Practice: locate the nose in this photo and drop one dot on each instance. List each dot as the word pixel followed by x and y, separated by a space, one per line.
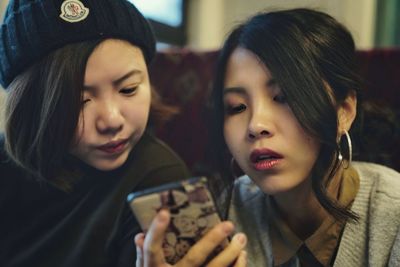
pixel 110 119
pixel 259 126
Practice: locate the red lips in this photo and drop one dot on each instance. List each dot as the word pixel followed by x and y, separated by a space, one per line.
pixel 262 154
pixel 264 159
pixel 113 146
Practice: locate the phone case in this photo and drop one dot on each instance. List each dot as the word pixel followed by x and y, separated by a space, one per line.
pixel 192 210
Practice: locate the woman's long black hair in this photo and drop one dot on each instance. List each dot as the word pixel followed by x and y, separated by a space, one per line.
pixel 305 50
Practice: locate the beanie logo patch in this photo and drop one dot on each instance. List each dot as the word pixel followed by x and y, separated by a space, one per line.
pixel 73 11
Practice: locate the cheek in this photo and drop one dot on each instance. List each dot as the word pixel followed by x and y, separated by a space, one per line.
pixel 137 110
pixel 297 140
pixel 314 148
pixel 310 147
pixel 138 116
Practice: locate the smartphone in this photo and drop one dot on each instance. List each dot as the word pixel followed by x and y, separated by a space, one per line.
pixel 192 210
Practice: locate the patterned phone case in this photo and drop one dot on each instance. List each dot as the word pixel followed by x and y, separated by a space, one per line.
pixel 192 210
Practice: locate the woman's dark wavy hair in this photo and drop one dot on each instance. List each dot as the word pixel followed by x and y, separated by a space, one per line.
pixel 304 50
pixel 43 107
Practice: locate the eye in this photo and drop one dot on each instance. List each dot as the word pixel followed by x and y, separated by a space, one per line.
pixel 129 91
pixel 85 101
pixel 280 98
pixel 231 110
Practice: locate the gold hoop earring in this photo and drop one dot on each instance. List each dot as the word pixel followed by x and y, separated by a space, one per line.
pixel 349 150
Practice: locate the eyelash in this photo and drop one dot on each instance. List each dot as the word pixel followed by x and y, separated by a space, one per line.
pixel 129 91
pixel 85 101
pixel 281 98
pixel 236 109
pixel 231 110
pixel 125 91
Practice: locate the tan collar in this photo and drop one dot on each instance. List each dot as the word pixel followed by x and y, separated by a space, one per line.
pixel 323 242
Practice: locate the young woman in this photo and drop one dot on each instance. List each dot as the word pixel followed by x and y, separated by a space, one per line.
pixel 76 142
pixel 287 102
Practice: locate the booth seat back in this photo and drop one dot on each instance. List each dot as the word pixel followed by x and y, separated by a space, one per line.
pixel 184 79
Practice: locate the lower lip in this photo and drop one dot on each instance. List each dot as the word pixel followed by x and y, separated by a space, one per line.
pixel 266 164
pixel 115 149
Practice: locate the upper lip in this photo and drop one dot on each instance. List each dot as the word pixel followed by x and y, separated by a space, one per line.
pixel 112 144
pixel 264 152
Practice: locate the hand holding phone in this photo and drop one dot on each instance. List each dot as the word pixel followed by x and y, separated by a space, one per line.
pixel 150 251
pixel 191 215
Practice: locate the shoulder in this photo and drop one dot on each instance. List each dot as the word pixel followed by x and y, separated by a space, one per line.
pixel 378 204
pixel 379 190
pixel 8 168
pixel 11 176
pixel 395 253
pixel 250 213
pixel 384 179
pixel 156 162
pixel 379 194
pixel 153 149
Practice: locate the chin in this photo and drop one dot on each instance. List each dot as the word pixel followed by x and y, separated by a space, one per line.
pixel 107 167
pixel 282 188
pixel 271 191
pixel 274 191
pixel 109 164
pixel 272 186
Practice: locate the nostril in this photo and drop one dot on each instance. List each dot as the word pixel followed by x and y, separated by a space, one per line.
pixel 251 136
pixel 110 129
pixel 254 135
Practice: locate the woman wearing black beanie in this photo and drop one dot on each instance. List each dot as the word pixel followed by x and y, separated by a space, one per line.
pixel 76 143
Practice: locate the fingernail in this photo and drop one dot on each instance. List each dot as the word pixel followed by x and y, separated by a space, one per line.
pixel 139 237
pixel 162 216
pixel 241 238
pixel 228 227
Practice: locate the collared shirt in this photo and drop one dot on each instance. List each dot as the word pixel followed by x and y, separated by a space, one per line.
pixel 320 247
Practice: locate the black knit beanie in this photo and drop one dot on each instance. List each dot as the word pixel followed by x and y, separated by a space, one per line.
pixel 33 28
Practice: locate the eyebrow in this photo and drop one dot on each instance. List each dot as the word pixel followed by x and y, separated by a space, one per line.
pixel 119 80
pixel 126 76
pixel 237 90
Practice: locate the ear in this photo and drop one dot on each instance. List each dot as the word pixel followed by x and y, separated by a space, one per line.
pixel 347 112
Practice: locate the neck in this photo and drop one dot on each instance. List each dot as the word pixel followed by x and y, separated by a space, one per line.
pixel 301 210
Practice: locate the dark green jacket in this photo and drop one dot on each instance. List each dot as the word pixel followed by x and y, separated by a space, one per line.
pixel 90 225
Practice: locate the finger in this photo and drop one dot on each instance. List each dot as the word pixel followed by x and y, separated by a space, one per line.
pixel 242 260
pixel 152 248
pixel 139 240
pixel 206 245
pixel 231 252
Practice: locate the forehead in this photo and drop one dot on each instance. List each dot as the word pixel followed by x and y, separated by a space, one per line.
pixel 112 59
pixel 243 66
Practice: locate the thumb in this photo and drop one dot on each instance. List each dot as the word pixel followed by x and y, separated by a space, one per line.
pixel 153 250
pixel 139 241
